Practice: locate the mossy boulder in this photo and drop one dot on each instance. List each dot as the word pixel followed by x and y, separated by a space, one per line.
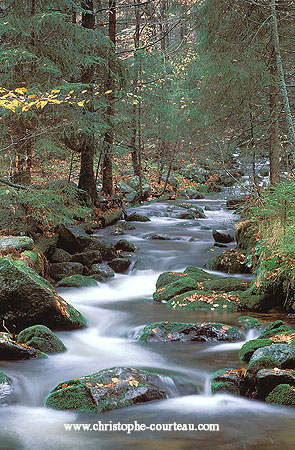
pixel 251 346
pixel 178 331
pixel 184 284
pixel 229 381
pixel 253 302
pixel 106 390
pixel 245 236
pixel 60 256
pixel 120 265
pixel 87 258
pixel 28 299
pixel 19 243
pixel 102 272
pixel 231 261
pixel 202 300
pixel 283 394
pixel 227 284
pixel 125 245
pixel 41 338
pixel 6 390
pixel 222 237
pixel 199 275
pixel 268 379
pixel 248 322
pixel 58 271
pixel 169 277
pixel 134 217
pixel 275 328
pixel 77 281
pixel 11 350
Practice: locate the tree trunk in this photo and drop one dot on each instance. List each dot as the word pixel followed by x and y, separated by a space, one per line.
pixel 283 88
pixel 134 151
pixel 107 170
pixel 274 102
pixel 86 176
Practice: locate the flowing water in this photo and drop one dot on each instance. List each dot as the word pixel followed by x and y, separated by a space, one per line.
pixel 116 312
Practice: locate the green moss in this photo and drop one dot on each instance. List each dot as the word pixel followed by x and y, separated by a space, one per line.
pixel 175 288
pixel 77 281
pixel 4 378
pixel 73 397
pixel 283 394
pixel 231 261
pixel 227 284
pixel 202 300
pixel 41 338
pixel 277 327
pixel 265 362
pixel 227 381
pixel 248 322
pixel 199 275
pixel 167 278
pixel 250 347
pixel 252 302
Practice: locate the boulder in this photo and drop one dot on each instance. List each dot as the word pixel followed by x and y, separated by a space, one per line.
pixel 133 197
pixel 6 390
pixel 222 237
pixel 102 272
pixel 251 346
pixel 248 322
pixel 186 215
pixel 58 271
pixel 231 261
pixel 28 299
pixel 125 188
pixel 283 394
pixel 11 350
pixel 60 256
pixel 225 284
pixel 171 180
pixel 177 287
pixel 106 390
pixel 72 238
pixel 19 243
pixel 275 328
pixel 158 237
pixel 169 277
pixel 199 275
pixel 120 265
pixel 193 194
pixel 195 332
pixel 268 379
pixel 125 245
pixel 77 281
pixel 198 300
pixel 87 258
pixel 229 381
pixel 41 338
pixel 110 218
pixel 134 217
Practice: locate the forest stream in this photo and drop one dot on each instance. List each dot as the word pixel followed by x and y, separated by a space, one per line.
pixel 116 312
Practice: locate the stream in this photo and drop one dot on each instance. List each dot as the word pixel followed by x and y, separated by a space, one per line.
pixel 116 312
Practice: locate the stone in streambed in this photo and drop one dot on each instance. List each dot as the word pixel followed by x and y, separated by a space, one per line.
pixel 87 258
pixel 248 322
pixel 229 381
pixel 19 243
pixel 268 379
pixel 60 256
pixel 120 265
pixel 177 287
pixel 106 390
pixel 41 338
pixel 125 245
pixel 283 394
pixel 77 281
pixel 231 261
pixel 222 237
pixel 199 274
pixel 58 271
pixel 102 272
pixel 28 299
pixel 251 346
pixel 202 300
pixel 11 350
pixel 275 328
pixel 134 217
pixel 6 389
pixel 177 331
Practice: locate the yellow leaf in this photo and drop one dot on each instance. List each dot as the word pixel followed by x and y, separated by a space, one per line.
pixel 108 92
pixel 96 93
pixel 43 103
pixel 33 96
pixel 21 90
pixel 55 91
pixel 71 92
pixel 116 380
pixel 81 103
pixel 133 383
pixel 83 92
pixel 10 107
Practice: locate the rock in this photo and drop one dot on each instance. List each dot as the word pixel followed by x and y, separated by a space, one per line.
pixel 77 281
pixel 177 331
pixel 134 217
pixel 169 277
pixel 47 245
pixel 217 244
pixel 281 356
pixel 222 237
pixel 268 379
pixel 107 249
pixel 87 258
pixel 58 271
pixel 120 265
pixel 231 261
pixel 248 322
pixel 28 299
pixel 133 197
pixel 20 243
pixel 177 287
pixel 275 328
pixel 127 226
pixel 125 245
pixel 158 237
pixel 134 182
pixel 202 300
pixel 171 180
pixel 102 272
pixel 186 215
pixel 60 256
pixel 6 390
pixel 199 275
pixel 230 381
pixel 125 188
pixel 72 238
pixel 193 194
pixel 251 346
pixel 11 350
pixel 110 218
pixel 234 203
pixel 106 390
pixel 284 394
pixel 226 284
pixel 41 338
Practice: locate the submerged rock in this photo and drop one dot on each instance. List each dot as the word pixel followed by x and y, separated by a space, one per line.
pixel 28 299
pixel 106 390
pixel 41 338
pixel 177 331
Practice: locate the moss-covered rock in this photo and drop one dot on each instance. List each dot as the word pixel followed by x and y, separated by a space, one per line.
pixel 202 300
pixel 199 275
pixel 106 390
pixel 268 379
pixel 231 261
pixel 251 346
pixel 102 272
pixel 125 245
pixel 87 258
pixel 41 338
pixel 19 243
pixel 184 284
pixel 134 217
pixel 28 299
pixel 230 381
pixel 275 328
pixel 59 256
pixel 6 389
pixel 11 350
pixel 284 394
pixel 169 277
pixel 177 331
pixel 252 302
pixel 77 281
pixel 248 322
pixel 227 284
pixel 120 265
pixel 58 271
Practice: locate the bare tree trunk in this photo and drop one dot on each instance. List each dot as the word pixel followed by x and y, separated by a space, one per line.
pixel 107 170
pixel 274 100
